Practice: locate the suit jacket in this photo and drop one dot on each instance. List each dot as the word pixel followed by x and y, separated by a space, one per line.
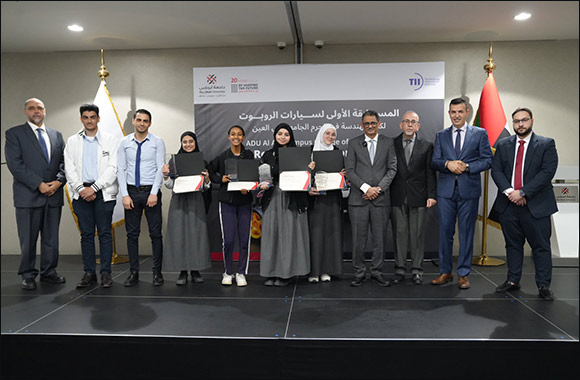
pixel 475 151
pixel 29 167
pixel 416 180
pixel 359 169
pixel 540 164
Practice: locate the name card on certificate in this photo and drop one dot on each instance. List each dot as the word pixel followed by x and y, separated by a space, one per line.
pixel 188 183
pixel 295 180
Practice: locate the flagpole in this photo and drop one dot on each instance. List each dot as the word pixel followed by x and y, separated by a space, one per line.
pixel 483 259
pixel 103 73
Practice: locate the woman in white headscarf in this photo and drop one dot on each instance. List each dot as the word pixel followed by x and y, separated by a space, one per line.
pixel 325 220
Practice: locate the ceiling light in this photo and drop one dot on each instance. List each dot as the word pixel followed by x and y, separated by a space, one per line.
pixel 75 28
pixel 522 16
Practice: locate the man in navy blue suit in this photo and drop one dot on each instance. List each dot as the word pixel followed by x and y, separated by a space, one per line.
pixel 523 168
pixel 35 157
pixel 460 153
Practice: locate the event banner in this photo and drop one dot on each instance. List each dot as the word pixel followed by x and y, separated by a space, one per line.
pixel 306 96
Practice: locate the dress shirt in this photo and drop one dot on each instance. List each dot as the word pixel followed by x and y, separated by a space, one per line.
pixel 462 133
pixel 152 160
pixel 365 186
pixel 527 140
pixel 90 158
pixel 44 135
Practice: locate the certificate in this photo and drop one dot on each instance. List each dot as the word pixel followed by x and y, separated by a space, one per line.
pixel 295 180
pixel 329 181
pixel 239 185
pixel 188 183
pixel 246 174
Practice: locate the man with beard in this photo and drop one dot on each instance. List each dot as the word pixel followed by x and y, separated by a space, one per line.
pixel 523 168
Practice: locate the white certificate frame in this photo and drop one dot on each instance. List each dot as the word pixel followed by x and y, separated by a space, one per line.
pixel 295 180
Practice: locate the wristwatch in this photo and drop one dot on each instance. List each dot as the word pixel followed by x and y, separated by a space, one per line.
pixel 467 168
pixel 522 194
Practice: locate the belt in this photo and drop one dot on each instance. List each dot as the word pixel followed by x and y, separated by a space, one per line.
pixel 140 188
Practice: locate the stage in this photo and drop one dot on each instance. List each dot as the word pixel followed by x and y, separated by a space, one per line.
pixel 303 330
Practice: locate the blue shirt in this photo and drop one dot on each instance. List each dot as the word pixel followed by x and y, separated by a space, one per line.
pixel 152 160
pixel 90 159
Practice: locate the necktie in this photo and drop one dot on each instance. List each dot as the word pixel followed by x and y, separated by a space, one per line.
pixel 42 144
pixel 519 162
pixel 138 164
pixel 407 150
pixel 372 151
pixel 458 142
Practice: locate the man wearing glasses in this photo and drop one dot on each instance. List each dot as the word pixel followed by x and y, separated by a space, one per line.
pixel 460 153
pixel 413 191
pixel 523 167
pixel 35 157
pixel 371 165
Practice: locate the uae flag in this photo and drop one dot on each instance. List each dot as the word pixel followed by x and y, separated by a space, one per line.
pixel 490 116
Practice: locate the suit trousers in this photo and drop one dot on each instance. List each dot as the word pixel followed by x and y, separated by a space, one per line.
pixel 518 224
pixel 360 219
pixel 32 221
pixel 408 227
pixel 235 218
pixel 133 227
pixel 464 211
pixel 99 214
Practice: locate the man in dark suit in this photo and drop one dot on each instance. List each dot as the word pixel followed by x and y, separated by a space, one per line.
pixel 461 152
pixel 371 165
pixel 35 157
pixel 413 191
pixel 523 168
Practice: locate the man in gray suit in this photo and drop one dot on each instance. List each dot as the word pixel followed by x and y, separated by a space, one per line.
pixel 371 165
pixel 35 157
pixel 413 191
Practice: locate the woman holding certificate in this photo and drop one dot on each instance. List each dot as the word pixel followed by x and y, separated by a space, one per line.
pixel 186 239
pixel 235 207
pixel 285 246
pixel 325 217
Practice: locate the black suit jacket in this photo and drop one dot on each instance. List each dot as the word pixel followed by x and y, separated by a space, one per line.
pixel 540 164
pixel 27 163
pixel 417 180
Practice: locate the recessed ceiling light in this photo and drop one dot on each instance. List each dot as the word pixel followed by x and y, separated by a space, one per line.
pixel 75 28
pixel 522 16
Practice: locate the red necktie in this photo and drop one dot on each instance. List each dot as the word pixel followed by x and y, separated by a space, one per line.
pixel 519 162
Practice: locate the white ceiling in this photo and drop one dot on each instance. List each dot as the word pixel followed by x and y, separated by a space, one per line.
pixel 34 26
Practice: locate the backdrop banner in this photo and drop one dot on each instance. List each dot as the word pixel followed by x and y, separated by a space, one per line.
pixel 258 98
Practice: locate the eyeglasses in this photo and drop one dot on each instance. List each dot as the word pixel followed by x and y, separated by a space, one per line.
pixel 524 120
pixel 412 122
pixel 372 123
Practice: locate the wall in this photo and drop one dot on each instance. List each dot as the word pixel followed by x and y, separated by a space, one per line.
pixel 541 75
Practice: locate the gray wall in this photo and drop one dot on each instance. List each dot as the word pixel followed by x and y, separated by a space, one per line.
pixel 541 75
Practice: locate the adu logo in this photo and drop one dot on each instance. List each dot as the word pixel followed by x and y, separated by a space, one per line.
pixel 417 81
pixel 211 79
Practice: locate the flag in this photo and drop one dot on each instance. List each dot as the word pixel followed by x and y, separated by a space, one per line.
pixel 490 116
pixel 111 124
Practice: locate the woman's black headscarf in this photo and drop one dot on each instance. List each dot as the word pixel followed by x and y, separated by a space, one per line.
pixel 188 133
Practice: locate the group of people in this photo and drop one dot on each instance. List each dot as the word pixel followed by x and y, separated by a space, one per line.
pixel 302 232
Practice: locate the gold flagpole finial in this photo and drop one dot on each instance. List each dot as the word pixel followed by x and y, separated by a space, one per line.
pixel 103 73
pixel 490 66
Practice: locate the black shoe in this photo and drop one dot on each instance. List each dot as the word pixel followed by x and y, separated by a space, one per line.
pixel 281 282
pixel 106 280
pixel 28 284
pixel 196 277
pixel 132 280
pixel 417 278
pixel 507 286
pixel 158 278
pixel 546 293
pixel 398 278
pixel 380 280
pixel 358 281
pixel 89 279
pixel 53 279
pixel 270 281
pixel 182 279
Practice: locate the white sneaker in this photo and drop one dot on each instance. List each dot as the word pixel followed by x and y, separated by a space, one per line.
pixel 312 279
pixel 325 278
pixel 240 280
pixel 227 279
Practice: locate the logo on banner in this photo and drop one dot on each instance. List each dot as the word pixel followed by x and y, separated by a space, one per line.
pixel 211 79
pixel 240 85
pixel 417 81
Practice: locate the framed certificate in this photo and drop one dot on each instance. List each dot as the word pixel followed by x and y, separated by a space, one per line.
pixel 295 180
pixel 188 167
pixel 188 183
pixel 327 174
pixel 246 174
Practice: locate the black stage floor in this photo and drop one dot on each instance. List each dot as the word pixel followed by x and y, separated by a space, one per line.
pixel 304 330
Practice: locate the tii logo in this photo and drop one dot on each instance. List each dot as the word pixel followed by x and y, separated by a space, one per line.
pixel 211 79
pixel 417 81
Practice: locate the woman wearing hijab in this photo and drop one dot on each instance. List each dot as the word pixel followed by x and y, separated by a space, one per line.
pixel 325 220
pixel 186 240
pixel 235 209
pixel 285 245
